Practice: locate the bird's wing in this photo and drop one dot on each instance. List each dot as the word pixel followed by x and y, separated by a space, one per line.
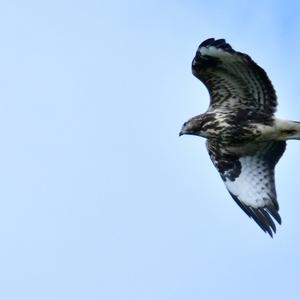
pixel 233 79
pixel 250 180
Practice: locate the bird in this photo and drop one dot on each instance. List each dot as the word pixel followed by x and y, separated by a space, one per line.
pixel 244 139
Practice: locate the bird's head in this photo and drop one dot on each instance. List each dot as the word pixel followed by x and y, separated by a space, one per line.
pixel 193 127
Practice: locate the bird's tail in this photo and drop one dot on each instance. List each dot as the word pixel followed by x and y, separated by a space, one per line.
pixel 288 130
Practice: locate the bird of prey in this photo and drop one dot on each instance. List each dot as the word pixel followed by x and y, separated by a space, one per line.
pixel 243 137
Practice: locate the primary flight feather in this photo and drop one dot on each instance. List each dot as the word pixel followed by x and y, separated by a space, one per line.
pixel 244 138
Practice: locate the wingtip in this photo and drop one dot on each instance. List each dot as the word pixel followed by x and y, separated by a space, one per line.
pixel 207 42
pixel 261 216
pixel 217 43
pixel 274 213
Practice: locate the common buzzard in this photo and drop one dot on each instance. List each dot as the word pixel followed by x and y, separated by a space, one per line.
pixel 244 138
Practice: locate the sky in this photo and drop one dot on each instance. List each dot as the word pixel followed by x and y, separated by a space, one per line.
pixel 100 198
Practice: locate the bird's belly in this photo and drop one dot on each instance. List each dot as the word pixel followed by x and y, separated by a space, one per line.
pixel 244 140
pixel 238 135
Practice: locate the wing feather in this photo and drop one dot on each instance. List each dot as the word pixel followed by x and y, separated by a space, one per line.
pixel 233 79
pixel 250 180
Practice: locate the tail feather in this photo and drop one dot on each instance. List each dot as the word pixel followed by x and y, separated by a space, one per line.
pixel 288 130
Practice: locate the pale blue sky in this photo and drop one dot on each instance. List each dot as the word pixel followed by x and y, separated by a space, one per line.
pixel 100 198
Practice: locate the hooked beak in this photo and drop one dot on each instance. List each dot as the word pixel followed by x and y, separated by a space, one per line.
pixel 181 133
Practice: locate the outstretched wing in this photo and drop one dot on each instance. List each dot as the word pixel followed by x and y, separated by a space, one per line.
pixel 233 79
pixel 250 180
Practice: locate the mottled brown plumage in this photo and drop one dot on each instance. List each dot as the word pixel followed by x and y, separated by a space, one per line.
pixel 244 139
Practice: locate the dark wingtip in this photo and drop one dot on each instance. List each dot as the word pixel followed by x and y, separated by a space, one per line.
pixel 261 216
pixel 207 42
pixel 218 43
pixel 274 213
